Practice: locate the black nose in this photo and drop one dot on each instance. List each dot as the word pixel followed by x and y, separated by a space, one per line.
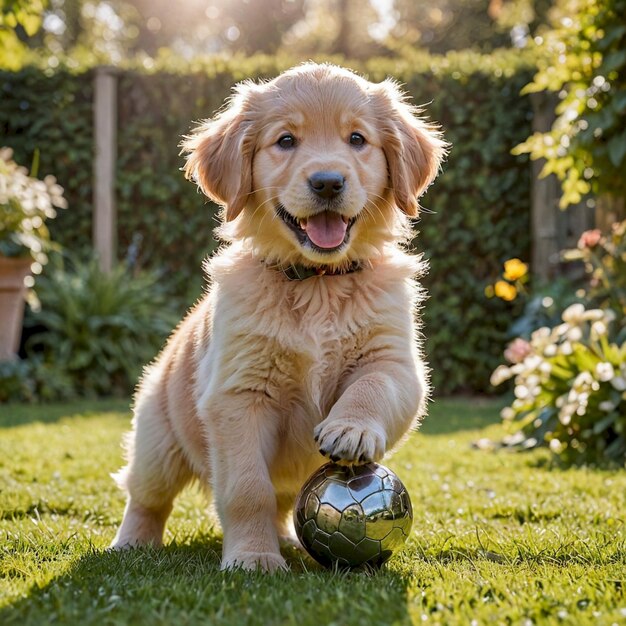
pixel 327 185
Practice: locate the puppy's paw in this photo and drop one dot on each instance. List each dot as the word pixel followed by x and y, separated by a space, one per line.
pixel 350 442
pixel 251 561
pixel 117 546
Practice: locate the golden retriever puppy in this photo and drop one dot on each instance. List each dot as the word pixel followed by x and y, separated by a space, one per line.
pixel 306 345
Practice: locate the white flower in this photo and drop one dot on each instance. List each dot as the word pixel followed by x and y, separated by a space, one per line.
pixel 556 446
pixel 532 362
pixel 599 329
pixel 573 314
pixel 550 350
pixel 593 315
pixel 518 368
pixel 565 414
pixel 507 413
pixel 575 333
pixel 559 331
pixel 566 348
pixel 545 368
pixel 521 391
pixel 604 371
pixel 539 338
pixel 584 379
pixel 500 374
pixel 533 381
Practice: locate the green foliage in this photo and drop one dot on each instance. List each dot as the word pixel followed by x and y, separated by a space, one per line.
pixel 33 380
pixel 18 17
pixel 585 63
pixel 98 329
pixel 478 209
pixel 14 381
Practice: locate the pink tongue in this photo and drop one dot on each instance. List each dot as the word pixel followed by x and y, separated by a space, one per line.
pixel 326 229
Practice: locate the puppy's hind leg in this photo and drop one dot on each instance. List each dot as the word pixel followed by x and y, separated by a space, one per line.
pixel 155 474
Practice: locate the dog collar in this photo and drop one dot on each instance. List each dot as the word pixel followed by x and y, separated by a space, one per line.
pixel 301 272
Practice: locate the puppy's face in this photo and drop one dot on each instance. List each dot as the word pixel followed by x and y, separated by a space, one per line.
pixel 317 166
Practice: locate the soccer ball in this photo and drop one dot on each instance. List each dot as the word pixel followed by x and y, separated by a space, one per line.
pixel 349 516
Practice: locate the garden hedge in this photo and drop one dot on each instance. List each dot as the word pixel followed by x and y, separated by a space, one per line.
pixel 478 210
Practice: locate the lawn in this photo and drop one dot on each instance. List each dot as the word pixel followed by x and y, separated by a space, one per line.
pixel 498 537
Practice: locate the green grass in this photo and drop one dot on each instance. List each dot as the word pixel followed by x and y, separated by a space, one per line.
pixel 498 538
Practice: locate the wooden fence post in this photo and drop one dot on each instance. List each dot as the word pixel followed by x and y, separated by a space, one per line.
pixel 552 229
pixel 544 199
pixel 105 143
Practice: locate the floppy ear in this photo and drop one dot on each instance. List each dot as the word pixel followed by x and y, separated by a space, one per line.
pixel 413 147
pixel 219 154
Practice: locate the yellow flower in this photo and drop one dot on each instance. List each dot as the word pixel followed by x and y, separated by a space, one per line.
pixel 505 291
pixel 514 269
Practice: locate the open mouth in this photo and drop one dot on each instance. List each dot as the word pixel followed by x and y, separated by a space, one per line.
pixel 326 231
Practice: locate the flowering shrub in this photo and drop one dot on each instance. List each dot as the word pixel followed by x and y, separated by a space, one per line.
pixel 25 204
pixel 570 387
pixel 604 257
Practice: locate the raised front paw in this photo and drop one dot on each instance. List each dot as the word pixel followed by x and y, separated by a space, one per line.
pixel 350 443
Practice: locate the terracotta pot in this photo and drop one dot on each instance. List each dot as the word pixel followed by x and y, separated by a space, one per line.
pixel 12 295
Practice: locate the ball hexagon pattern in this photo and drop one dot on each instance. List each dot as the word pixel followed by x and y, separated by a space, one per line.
pixel 349 516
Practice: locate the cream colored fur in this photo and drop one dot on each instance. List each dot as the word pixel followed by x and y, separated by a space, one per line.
pixel 266 372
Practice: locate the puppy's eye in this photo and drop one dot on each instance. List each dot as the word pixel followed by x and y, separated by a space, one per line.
pixel 286 142
pixel 356 139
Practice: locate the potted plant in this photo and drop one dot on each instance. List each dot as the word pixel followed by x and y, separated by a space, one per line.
pixel 25 204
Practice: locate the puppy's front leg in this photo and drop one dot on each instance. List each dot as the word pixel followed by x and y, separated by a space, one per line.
pixel 243 442
pixel 377 407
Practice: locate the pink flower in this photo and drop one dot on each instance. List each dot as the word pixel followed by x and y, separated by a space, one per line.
pixel 517 350
pixel 589 239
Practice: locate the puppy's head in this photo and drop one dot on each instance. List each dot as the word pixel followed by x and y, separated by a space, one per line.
pixel 318 166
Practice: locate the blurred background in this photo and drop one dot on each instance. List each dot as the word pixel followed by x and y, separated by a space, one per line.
pixel 525 220
pixel 114 30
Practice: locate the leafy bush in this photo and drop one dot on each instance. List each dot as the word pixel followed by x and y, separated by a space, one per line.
pixel 584 62
pixel 33 380
pixel 478 208
pixel 570 388
pixel 98 329
pixel 15 383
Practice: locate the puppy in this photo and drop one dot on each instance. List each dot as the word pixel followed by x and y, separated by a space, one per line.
pixel 305 347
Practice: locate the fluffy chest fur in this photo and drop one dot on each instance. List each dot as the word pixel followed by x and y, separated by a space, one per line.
pixel 297 342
